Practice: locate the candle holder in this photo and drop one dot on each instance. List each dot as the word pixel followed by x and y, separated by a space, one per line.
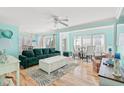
pixel 117 65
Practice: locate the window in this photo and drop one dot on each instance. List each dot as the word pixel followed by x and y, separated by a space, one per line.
pixel 49 42
pixel 82 41
pixel 77 42
pixel 121 39
pixel 99 42
pixel 86 41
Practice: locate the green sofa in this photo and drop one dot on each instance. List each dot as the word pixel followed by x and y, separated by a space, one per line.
pixel 29 58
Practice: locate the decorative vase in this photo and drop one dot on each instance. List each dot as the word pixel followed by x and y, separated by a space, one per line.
pixel 117 68
pixel 110 54
pixel 117 65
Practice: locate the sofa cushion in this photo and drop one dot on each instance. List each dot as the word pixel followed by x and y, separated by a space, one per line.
pixel 45 51
pixel 41 56
pixel 38 52
pixel 52 50
pixel 55 54
pixel 28 53
pixel 31 59
pixel 50 55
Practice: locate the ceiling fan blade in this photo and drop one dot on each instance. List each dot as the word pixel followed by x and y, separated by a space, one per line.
pixel 63 23
pixel 64 19
pixel 58 19
pixel 54 16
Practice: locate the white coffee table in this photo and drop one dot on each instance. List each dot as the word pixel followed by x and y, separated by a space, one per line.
pixel 52 63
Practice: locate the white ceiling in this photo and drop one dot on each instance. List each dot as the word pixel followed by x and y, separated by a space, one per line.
pixel 39 19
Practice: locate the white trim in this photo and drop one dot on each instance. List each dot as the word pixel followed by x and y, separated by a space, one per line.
pixel 105 39
pixel 96 28
pixel 119 39
pixel 119 12
pixel 120 25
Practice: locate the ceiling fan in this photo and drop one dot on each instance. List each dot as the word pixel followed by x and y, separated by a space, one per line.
pixel 60 20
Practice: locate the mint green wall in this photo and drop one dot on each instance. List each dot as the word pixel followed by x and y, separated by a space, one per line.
pixel 57 40
pixel 120 29
pixel 121 20
pixel 71 41
pixel 14 49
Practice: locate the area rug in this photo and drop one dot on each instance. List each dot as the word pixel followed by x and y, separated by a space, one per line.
pixel 43 79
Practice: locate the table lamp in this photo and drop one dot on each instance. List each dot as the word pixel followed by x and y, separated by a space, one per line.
pixel 110 52
pixel 117 65
pixel 110 49
pixel 110 57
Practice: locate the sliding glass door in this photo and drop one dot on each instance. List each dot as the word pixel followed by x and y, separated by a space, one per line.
pixel 86 41
pixel 77 42
pixel 121 43
pixel 96 40
pixel 99 42
pixel 82 41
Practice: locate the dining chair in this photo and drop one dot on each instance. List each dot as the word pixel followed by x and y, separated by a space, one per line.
pixel 75 53
pixel 82 52
pixel 89 52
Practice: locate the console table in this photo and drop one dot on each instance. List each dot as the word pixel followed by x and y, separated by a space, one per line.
pixel 106 77
pixel 12 65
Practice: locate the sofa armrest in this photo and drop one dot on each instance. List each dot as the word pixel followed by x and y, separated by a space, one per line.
pixel 22 57
pixel 23 60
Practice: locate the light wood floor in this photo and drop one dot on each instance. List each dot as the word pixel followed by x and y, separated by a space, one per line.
pixel 82 75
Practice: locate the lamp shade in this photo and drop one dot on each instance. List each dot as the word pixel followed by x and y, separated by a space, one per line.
pixel 110 49
pixel 117 56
